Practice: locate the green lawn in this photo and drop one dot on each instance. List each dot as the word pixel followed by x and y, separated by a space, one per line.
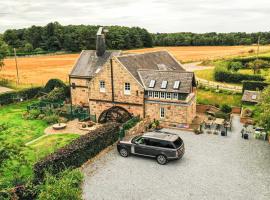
pixel 210 97
pixel 207 74
pixel 20 131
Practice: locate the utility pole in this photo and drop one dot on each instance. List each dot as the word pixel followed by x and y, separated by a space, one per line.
pixel 15 55
pixel 258 46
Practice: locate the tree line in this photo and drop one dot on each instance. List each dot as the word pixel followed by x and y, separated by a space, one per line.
pixel 74 38
pixel 56 37
pixel 210 39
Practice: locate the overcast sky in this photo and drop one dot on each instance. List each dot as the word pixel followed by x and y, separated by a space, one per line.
pixel 154 15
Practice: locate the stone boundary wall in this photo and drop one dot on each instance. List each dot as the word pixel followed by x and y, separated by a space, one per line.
pixel 236 110
pixel 139 128
pixel 203 108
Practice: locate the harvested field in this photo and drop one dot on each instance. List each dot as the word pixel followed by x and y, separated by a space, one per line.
pixel 37 70
pixel 201 53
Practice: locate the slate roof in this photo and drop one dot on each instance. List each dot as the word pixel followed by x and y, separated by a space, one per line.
pixel 187 80
pixel 251 96
pixel 89 62
pixel 159 60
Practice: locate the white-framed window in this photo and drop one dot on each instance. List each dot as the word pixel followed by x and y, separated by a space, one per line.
pixel 162 95
pixel 162 112
pixel 102 86
pixel 152 83
pixel 168 95
pixel 176 85
pixel 127 88
pixel 150 94
pixel 175 96
pixel 164 84
pixel 156 94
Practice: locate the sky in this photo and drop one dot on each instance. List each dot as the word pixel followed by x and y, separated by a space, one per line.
pixel 155 15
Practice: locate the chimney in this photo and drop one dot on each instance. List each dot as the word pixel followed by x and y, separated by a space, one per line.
pixel 100 43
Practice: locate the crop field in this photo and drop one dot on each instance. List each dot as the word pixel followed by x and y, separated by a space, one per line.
pixel 37 70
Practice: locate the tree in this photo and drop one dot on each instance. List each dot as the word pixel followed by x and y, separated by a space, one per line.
pixel 257 64
pixel 235 66
pixel 3 52
pixel 264 109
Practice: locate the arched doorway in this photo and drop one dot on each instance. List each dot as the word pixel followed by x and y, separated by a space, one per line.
pixel 114 114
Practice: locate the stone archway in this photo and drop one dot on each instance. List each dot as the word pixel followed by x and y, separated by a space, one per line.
pixel 114 114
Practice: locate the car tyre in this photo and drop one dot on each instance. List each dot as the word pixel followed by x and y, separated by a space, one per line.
pixel 123 152
pixel 161 159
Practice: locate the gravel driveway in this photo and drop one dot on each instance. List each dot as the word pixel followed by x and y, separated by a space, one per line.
pixel 213 167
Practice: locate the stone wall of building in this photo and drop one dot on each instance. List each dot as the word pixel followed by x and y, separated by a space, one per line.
pixel 79 94
pixel 174 113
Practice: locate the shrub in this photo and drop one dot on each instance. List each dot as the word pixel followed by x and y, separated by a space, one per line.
pixel 226 108
pixel 54 83
pixel 51 119
pixel 128 125
pixel 223 75
pixel 222 115
pixel 247 113
pixel 78 151
pixel 57 94
pixel 235 66
pixel 67 185
pixel 254 85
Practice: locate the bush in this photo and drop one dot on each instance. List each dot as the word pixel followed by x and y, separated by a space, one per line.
pixel 235 66
pixel 254 85
pixel 51 119
pixel 67 185
pixel 222 115
pixel 57 94
pixel 226 108
pixel 54 83
pixel 223 75
pixel 78 151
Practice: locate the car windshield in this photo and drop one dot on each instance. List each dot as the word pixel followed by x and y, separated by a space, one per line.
pixel 136 138
pixel 178 142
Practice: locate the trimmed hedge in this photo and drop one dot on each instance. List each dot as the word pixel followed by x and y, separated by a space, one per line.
pixel 254 85
pixel 14 96
pixel 78 151
pixel 54 83
pixel 246 60
pixel 224 75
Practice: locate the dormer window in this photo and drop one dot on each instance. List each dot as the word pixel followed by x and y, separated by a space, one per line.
pixel 164 84
pixel 102 86
pixel 152 83
pixel 127 89
pixel 176 85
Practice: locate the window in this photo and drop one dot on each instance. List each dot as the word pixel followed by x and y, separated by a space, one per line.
pixel 127 88
pixel 164 84
pixel 156 94
pixel 176 85
pixel 168 95
pixel 162 112
pixel 73 85
pixel 102 86
pixel 150 94
pixel 175 96
pixel 152 83
pixel 162 95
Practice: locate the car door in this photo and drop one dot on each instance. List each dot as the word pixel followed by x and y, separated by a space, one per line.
pixel 143 148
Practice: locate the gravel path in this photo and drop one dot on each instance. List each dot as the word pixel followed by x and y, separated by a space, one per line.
pixel 213 167
pixel 4 89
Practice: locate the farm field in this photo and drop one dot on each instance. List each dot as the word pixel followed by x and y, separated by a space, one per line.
pixel 37 70
pixel 17 132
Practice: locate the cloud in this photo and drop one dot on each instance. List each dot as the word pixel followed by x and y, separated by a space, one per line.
pixel 155 15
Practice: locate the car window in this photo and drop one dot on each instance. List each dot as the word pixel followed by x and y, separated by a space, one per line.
pixel 160 143
pixel 178 142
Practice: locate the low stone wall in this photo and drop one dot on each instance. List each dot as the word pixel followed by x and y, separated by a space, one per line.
pixel 203 108
pixel 139 128
pixel 236 110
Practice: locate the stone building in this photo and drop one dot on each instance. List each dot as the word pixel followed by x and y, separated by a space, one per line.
pixel 150 84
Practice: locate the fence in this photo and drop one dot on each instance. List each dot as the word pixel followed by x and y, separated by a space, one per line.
pixel 219 86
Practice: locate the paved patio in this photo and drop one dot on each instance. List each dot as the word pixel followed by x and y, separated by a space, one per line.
pixel 213 167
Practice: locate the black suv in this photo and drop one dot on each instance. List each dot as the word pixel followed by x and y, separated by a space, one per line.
pixel 160 145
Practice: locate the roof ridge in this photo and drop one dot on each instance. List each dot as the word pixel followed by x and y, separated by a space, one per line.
pixel 138 54
pixel 157 70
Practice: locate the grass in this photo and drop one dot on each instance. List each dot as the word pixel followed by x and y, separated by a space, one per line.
pixel 213 98
pixel 207 74
pixel 20 131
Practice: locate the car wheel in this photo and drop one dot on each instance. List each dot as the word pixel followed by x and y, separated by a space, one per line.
pixel 161 159
pixel 123 152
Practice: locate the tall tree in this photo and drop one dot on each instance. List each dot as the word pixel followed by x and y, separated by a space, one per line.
pixel 264 109
pixel 3 52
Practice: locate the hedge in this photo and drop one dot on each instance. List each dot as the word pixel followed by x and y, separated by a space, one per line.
pixel 78 151
pixel 224 75
pixel 128 125
pixel 254 85
pixel 15 96
pixel 245 60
